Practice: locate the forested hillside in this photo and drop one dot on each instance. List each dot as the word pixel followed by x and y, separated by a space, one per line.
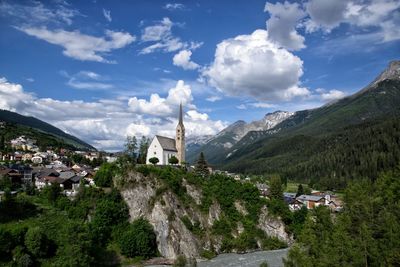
pixel 43 132
pixel 367 233
pixel 332 160
pixel 354 137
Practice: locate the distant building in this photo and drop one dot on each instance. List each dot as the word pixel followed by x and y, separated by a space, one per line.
pixel 164 148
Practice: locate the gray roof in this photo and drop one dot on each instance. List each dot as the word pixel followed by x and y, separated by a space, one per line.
pixel 167 143
pixel 76 179
pixel 47 172
pixel 67 174
pixel 289 195
pixel 309 198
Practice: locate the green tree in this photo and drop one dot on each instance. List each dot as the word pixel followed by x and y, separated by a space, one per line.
pixel 143 147
pixel 2 143
pixel 6 243
pixel 300 190
pixel 36 242
pixel 109 211
pixel 52 192
pixel 131 146
pixel 201 167
pixel 366 233
pixel 173 160
pixel 105 175
pixel 154 160
pixel 139 240
pixel 275 188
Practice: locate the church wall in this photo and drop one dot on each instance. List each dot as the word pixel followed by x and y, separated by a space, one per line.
pixel 167 155
pixel 155 150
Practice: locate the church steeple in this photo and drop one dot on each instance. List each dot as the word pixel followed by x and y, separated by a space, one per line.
pixel 180 137
pixel 180 115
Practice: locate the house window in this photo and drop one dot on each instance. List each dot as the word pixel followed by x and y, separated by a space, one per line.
pixel 178 137
pixel 155 153
pixel 179 131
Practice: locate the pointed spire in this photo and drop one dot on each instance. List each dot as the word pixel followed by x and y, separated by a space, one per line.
pixel 180 115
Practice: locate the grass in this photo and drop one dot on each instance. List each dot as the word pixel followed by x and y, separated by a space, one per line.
pixel 292 187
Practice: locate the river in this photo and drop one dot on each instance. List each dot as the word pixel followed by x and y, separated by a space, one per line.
pixel 253 259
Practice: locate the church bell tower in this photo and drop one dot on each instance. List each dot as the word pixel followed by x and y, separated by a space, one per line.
pixel 180 137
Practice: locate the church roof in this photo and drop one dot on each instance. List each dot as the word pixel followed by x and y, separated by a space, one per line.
pixel 167 143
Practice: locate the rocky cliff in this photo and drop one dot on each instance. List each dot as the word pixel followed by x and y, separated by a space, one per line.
pixel 180 226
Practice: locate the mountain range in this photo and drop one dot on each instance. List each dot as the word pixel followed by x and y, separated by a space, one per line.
pixel 45 133
pixel 285 143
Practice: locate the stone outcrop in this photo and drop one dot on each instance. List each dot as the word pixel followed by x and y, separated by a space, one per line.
pixel 273 226
pixel 147 197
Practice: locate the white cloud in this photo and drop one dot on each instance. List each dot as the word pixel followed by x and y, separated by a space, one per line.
pixel 377 17
pixel 81 46
pixel 87 80
pixel 164 40
pixel 88 85
pixel 325 14
pixel 135 129
pixel 107 15
pixel 252 65
pixel 241 106
pixel 213 98
pixel 182 59
pixel 158 106
pixel 174 6
pixel 157 32
pixel 282 24
pixel 330 95
pixel 106 123
pixel 37 13
pixel 262 105
pixel 197 116
pixel 155 106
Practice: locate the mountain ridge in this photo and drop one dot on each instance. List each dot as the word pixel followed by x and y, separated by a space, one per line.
pixel 44 127
pixel 376 103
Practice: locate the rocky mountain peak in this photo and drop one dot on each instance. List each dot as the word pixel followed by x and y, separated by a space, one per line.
pixel 392 72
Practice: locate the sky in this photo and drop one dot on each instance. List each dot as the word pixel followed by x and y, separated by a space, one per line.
pixel 103 70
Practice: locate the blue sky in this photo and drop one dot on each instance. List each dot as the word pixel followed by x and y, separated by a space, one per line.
pixel 102 70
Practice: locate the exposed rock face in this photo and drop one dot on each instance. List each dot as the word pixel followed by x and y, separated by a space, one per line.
pixel 273 226
pixel 165 212
pixel 214 213
pixel 173 237
pixel 193 192
pixel 240 208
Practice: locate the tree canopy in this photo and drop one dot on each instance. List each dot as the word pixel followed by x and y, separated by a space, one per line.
pixel 201 167
pixel 154 160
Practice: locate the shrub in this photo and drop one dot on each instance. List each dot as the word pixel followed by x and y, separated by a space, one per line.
pixel 180 261
pixel 154 160
pixel 208 254
pixel 105 174
pixel 139 240
pixel 36 242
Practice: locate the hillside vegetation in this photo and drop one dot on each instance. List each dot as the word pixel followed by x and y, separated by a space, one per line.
pixel 354 137
pixel 44 133
pixel 327 161
pixel 367 233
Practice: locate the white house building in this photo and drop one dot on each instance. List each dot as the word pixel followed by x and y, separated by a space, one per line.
pixel 164 148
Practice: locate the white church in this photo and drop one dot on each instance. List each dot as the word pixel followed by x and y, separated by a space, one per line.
pixel 164 148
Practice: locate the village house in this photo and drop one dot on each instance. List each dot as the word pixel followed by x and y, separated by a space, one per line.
pixel 263 188
pixel 311 201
